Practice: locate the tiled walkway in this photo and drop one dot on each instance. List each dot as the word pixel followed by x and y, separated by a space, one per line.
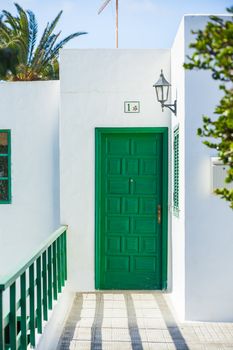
pixel 137 321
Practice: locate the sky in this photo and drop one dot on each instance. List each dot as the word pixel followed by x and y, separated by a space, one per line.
pixel 142 23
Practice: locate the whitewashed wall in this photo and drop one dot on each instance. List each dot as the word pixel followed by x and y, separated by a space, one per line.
pixel 178 228
pixel 30 110
pixel 208 219
pixel 94 86
pixel 202 259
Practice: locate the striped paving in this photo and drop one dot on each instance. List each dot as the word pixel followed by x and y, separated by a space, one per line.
pixel 138 321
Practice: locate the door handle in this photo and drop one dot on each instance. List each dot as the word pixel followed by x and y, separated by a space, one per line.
pixel 159 214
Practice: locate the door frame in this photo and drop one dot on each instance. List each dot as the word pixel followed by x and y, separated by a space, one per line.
pixel 98 143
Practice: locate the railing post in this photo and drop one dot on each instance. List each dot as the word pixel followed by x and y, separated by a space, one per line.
pixel 13 317
pixel 65 249
pixel 45 288
pixel 23 306
pixel 50 287
pixel 62 260
pixel 38 296
pixel 32 306
pixel 55 271
pixel 59 264
pixel 2 331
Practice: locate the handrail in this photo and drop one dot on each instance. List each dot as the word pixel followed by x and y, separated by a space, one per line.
pixel 6 281
pixel 41 278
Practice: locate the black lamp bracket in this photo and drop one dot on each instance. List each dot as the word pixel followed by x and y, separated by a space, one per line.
pixel 172 107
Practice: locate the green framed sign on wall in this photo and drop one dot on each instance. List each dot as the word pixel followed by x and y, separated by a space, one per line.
pixel 131 208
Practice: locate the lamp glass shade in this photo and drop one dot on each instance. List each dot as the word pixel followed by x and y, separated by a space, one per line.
pixel 162 88
pixel 162 93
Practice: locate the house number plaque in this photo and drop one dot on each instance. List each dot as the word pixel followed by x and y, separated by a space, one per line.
pixel 132 107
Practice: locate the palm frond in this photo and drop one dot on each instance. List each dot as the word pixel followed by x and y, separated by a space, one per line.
pixel 45 57
pixel 42 55
pixel 5 34
pixel 19 33
pixel 54 23
pixel 54 53
pixel 19 43
pixel 45 36
pixel 34 59
pixel 19 8
pixel 32 34
pixel 51 70
pixel 11 20
pixel 50 43
pixel 24 30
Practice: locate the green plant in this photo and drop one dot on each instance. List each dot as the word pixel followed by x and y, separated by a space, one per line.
pixel 8 61
pixel 18 37
pixel 213 51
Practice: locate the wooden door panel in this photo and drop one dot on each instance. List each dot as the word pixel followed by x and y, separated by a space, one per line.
pixel 131 245
pixel 143 185
pixel 117 263
pixel 149 166
pixel 149 245
pixel 118 186
pixel 117 224
pixel 131 190
pixel 131 166
pixel 116 146
pixel 113 205
pixel 148 206
pixel 144 147
pixel 144 264
pixel 113 245
pixel 130 205
pixel 114 166
pixel 144 225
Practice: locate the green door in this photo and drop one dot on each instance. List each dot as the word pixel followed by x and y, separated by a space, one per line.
pixel 129 250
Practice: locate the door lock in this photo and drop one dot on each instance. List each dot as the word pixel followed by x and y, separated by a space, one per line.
pixel 159 214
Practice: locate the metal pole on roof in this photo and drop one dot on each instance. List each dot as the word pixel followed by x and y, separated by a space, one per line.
pixel 117 17
pixel 117 7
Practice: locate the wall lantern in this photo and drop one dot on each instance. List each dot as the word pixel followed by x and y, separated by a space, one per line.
pixel 162 91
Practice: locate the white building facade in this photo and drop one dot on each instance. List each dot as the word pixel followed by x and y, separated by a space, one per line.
pixel 119 171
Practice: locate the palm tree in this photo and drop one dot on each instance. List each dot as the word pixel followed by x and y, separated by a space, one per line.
pixel 18 37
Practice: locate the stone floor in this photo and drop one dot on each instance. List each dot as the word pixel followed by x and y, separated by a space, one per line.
pixel 134 320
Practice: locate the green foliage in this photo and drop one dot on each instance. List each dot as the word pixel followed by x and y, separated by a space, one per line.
pixel 8 61
pixel 20 59
pixel 213 51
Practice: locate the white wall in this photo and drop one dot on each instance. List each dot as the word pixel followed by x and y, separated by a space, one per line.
pixel 94 86
pixel 178 227
pixel 208 219
pixel 57 317
pixel 30 110
pixel 202 236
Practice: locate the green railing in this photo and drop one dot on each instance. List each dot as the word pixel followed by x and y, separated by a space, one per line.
pixel 32 290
